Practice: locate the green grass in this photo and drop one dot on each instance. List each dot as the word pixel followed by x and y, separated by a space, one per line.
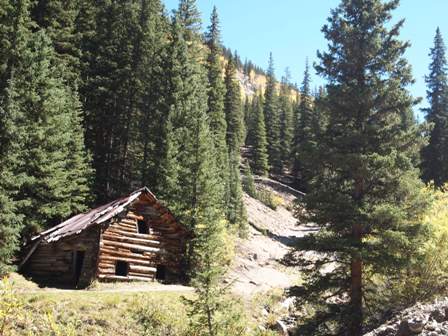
pixel 70 313
pixel 96 314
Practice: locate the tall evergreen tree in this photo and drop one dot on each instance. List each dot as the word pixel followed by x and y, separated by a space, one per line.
pixel 435 159
pixel 58 18
pixel 189 157
pixel 150 53
pixel 235 136
pixel 365 194
pixel 14 35
pixel 233 108
pixel 260 152
pixel 286 119
pixel 272 118
pixel 114 56
pixel 306 135
pixel 216 95
pixel 52 156
pixel 190 18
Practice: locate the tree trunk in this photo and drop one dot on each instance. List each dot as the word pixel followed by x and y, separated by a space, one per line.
pixel 356 316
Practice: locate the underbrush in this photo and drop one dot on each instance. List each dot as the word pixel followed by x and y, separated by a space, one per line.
pixel 265 196
pixel 269 199
pixel 34 312
pixel 75 313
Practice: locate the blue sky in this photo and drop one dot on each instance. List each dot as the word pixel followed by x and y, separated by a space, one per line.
pixel 291 30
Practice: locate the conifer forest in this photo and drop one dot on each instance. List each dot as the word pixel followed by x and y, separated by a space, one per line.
pixel 136 146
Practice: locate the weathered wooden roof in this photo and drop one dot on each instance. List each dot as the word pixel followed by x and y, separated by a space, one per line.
pixel 81 222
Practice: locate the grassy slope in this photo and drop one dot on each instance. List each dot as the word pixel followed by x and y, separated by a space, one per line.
pixel 50 312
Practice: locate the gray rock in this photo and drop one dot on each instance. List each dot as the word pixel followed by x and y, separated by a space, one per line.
pixel 417 323
pixel 281 327
pixel 439 315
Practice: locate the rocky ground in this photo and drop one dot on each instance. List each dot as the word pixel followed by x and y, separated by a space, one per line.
pixel 259 265
pixel 421 319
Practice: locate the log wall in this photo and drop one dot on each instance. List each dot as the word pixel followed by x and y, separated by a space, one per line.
pixel 53 263
pixel 162 247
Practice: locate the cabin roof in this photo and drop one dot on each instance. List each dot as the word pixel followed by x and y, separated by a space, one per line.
pixel 81 222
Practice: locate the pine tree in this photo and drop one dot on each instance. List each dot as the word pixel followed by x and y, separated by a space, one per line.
pixel 216 94
pixel 260 152
pixel 233 109
pixel 235 136
pixel 435 160
pixel 58 18
pixel 272 118
pixel 189 18
pixel 286 119
pixel 365 195
pixel 188 154
pixel 113 53
pixel 306 135
pixel 52 157
pixel 14 34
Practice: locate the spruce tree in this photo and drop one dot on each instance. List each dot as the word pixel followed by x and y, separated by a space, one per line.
pixel 272 118
pixel 306 135
pixel 260 152
pixel 365 195
pixel 233 109
pixel 286 119
pixel 14 35
pixel 216 95
pixel 435 160
pixel 52 157
pixel 235 136
pixel 150 54
pixel 188 153
pixel 113 52
pixel 58 18
pixel 189 17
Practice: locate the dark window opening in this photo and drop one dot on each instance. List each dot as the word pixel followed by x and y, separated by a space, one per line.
pixel 136 251
pixel 143 228
pixel 121 268
pixel 161 272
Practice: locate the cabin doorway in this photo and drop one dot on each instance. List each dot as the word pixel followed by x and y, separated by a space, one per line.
pixel 78 261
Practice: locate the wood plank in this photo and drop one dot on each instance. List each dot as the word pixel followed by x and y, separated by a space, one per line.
pixel 131 240
pixel 143 269
pixel 131 246
pixel 145 257
pixel 106 258
pixel 127 278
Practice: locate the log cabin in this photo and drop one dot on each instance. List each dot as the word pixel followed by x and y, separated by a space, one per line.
pixel 132 238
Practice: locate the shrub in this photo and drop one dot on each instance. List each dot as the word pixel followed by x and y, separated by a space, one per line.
pixel 269 199
pixel 11 306
pixel 161 318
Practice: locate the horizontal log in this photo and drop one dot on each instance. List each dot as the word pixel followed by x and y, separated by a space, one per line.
pixel 123 278
pixel 149 277
pixel 133 234
pixel 122 229
pixel 134 216
pixel 143 269
pixel 131 240
pixel 130 246
pixel 146 256
pixel 127 226
pixel 106 258
pixel 106 270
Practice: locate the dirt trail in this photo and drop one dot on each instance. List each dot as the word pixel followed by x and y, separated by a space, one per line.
pixel 258 264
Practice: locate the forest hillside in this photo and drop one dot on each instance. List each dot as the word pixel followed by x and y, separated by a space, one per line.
pixel 135 146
